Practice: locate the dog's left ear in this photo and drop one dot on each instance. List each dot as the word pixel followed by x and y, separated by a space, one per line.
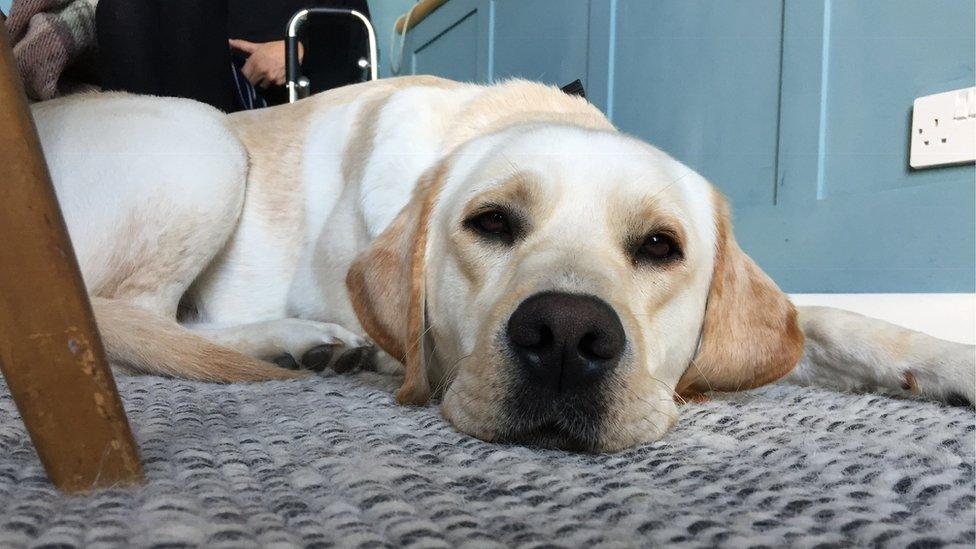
pixel 750 334
pixel 386 285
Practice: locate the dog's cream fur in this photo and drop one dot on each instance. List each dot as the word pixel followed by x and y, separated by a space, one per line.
pixel 256 223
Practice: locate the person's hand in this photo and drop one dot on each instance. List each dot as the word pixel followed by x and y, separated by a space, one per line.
pixel 265 65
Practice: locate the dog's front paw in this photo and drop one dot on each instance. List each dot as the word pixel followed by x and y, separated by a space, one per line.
pixel 960 378
pixel 353 360
pixel 952 381
pixel 319 345
pixel 319 358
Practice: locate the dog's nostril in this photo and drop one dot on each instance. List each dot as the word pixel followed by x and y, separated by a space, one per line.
pixel 590 348
pixel 543 339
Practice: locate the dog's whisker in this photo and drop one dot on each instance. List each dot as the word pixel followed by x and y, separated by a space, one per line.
pixel 420 338
pixel 449 374
pixel 694 363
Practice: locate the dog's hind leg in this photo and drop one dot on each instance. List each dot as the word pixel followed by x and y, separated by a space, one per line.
pixel 847 351
pixel 152 190
pixel 292 342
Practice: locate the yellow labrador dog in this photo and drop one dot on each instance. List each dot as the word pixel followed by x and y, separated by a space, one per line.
pixel 552 280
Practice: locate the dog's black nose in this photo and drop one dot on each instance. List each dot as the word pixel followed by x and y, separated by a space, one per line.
pixel 565 341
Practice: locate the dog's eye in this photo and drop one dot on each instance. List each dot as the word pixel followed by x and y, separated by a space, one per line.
pixel 494 224
pixel 658 248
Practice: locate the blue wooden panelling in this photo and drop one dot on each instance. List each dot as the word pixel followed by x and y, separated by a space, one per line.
pixel 920 239
pixel 543 40
pixel 798 110
pixel 700 80
pixel 453 52
pixel 600 66
pixel 802 102
pixel 486 40
pixel 851 216
pixel 881 55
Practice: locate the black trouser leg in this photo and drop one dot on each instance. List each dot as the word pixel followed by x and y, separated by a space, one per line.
pixel 128 57
pixel 172 48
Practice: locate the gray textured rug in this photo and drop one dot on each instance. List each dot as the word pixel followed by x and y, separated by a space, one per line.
pixel 333 462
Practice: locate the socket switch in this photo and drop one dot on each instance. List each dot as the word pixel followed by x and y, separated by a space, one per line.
pixel 944 129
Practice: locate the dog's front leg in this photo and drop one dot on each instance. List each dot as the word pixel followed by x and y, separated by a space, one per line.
pixel 293 343
pixel 848 351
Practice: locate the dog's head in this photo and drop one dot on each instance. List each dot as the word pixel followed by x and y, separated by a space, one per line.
pixel 561 286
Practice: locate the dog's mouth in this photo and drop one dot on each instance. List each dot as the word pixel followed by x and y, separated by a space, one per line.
pixel 564 423
pixel 553 435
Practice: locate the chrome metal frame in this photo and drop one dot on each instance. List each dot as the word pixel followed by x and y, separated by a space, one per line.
pixel 292 74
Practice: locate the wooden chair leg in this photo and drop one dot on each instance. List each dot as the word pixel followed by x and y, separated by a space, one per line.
pixel 50 351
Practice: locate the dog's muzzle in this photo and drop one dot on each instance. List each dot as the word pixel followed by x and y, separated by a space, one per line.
pixel 564 347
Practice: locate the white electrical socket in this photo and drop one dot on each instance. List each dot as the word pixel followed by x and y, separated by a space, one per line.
pixel 944 129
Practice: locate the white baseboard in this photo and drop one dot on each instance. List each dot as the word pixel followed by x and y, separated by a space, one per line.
pixel 947 316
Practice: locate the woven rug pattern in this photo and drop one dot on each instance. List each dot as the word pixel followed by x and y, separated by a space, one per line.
pixel 334 462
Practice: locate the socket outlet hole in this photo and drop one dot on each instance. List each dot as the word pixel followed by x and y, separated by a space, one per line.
pixel 926 142
pixel 937 122
pixel 944 139
pixel 920 130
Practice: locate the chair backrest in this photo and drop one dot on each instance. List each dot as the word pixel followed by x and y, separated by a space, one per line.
pixel 298 88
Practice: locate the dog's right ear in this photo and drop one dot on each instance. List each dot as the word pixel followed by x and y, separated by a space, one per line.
pixel 750 333
pixel 386 288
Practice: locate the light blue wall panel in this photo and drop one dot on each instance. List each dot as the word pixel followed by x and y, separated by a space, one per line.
pixel 601 55
pixel 451 54
pixel 918 240
pixel 543 40
pixel 453 42
pixel 700 79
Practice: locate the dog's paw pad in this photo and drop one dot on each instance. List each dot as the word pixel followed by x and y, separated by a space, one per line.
pixel 360 358
pixel 286 361
pixel 318 358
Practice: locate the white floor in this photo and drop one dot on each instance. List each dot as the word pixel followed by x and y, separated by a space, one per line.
pixel 948 316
